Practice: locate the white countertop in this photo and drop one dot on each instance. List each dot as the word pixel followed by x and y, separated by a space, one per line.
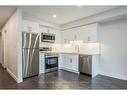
pixel 77 53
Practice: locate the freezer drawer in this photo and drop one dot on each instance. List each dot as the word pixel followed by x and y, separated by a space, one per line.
pixel 85 64
pixel 30 62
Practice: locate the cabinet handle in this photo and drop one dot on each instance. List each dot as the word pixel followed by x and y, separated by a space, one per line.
pixel 75 37
pixel 48 31
pixel 65 41
pixel 89 39
pixel 70 60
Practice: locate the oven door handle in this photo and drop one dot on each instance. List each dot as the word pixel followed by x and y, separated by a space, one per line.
pixel 50 56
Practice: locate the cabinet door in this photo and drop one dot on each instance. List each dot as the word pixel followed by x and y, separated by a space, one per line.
pixel 71 62
pixel 62 61
pixel 74 62
pixel 41 63
pixel 64 37
pixel 82 34
pixel 67 36
pixel 29 26
pixel 92 36
pixel 89 33
pixel 86 33
pixel 68 62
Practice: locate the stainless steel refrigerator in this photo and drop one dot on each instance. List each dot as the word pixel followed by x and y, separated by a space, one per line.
pixel 30 54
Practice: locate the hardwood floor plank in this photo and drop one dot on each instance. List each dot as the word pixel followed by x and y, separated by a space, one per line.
pixel 61 80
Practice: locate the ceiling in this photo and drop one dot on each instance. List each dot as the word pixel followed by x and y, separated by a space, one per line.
pixel 5 13
pixel 64 14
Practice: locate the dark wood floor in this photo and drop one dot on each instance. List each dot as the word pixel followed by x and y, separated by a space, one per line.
pixel 61 80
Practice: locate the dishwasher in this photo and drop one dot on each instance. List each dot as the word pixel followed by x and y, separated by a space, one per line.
pixel 85 64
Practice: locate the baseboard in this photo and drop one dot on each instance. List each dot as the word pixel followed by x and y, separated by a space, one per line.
pixel 3 66
pixel 19 80
pixel 114 75
pixel 69 70
pixel 14 77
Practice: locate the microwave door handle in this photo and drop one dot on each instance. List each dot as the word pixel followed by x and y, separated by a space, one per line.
pixel 53 37
pixel 42 37
pixel 49 62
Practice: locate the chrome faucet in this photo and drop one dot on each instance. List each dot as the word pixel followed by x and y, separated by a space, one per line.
pixel 77 48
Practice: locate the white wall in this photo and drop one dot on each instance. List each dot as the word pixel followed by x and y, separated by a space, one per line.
pixel 12 45
pixel 19 45
pixel 0 47
pixel 113 39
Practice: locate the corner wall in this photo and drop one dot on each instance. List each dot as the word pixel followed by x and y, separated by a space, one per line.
pixel 113 39
pixel 12 45
pixel 0 47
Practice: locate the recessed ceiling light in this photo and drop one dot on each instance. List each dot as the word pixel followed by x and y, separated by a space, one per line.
pixel 54 16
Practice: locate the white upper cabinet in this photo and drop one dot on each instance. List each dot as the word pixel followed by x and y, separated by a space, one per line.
pixel 66 36
pixel 88 34
pixel 29 26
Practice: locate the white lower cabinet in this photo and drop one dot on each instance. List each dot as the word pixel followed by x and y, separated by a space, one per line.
pixel 69 62
pixel 41 63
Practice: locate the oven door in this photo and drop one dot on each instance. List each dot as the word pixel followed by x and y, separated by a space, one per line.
pixel 51 62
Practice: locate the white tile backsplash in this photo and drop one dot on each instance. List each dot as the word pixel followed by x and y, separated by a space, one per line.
pixel 73 47
pixel 84 48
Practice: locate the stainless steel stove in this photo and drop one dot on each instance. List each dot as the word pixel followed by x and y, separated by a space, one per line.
pixel 51 59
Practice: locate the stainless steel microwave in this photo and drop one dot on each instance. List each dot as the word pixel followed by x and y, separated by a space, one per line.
pixel 47 37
